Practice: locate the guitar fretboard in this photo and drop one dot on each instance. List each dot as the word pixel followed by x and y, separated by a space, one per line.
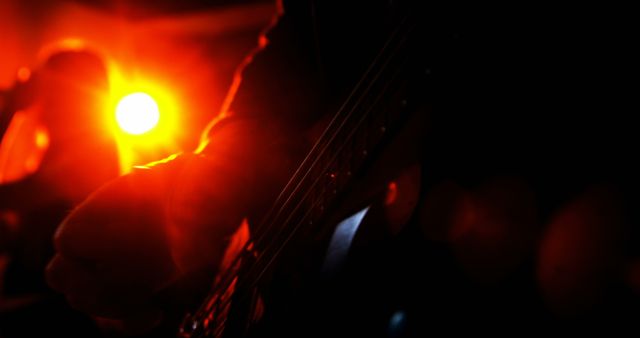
pixel 338 156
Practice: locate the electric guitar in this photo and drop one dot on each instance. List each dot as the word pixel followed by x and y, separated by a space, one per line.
pixel 293 272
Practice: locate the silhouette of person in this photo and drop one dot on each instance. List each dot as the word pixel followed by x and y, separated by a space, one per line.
pixel 494 113
pixel 66 96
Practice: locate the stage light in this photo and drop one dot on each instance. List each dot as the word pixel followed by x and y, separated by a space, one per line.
pixel 137 113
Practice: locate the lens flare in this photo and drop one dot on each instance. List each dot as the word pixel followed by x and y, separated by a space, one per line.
pixel 137 113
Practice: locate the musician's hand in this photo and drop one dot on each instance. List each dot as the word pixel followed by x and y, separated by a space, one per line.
pixel 112 251
pixel 141 232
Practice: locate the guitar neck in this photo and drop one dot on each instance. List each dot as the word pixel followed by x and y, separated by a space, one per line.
pixel 369 115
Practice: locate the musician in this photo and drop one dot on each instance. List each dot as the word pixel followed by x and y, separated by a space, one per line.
pixel 139 234
pixel 61 102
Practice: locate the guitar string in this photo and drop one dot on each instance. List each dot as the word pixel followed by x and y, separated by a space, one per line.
pixel 259 232
pixel 303 219
pixel 255 266
pixel 314 167
pixel 316 146
pixel 256 279
pixel 330 162
pixel 223 304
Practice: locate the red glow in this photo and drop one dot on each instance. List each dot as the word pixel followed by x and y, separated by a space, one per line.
pixel 402 198
pixel 236 244
pixel 392 193
pixel 147 116
pixel 24 74
pixel 23 146
pixel 493 228
pixel 137 113
pixel 42 138
pixel 580 254
pixel 11 219
pixel 177 59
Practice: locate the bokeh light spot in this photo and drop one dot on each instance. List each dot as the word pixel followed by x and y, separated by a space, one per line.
pixel 137 113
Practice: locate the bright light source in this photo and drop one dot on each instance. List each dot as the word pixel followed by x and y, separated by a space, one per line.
pixel 137 113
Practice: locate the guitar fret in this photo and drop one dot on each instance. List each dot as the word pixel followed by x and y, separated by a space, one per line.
pixel 327 172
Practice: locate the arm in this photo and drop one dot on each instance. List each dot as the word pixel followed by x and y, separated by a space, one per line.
pixel 141 232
